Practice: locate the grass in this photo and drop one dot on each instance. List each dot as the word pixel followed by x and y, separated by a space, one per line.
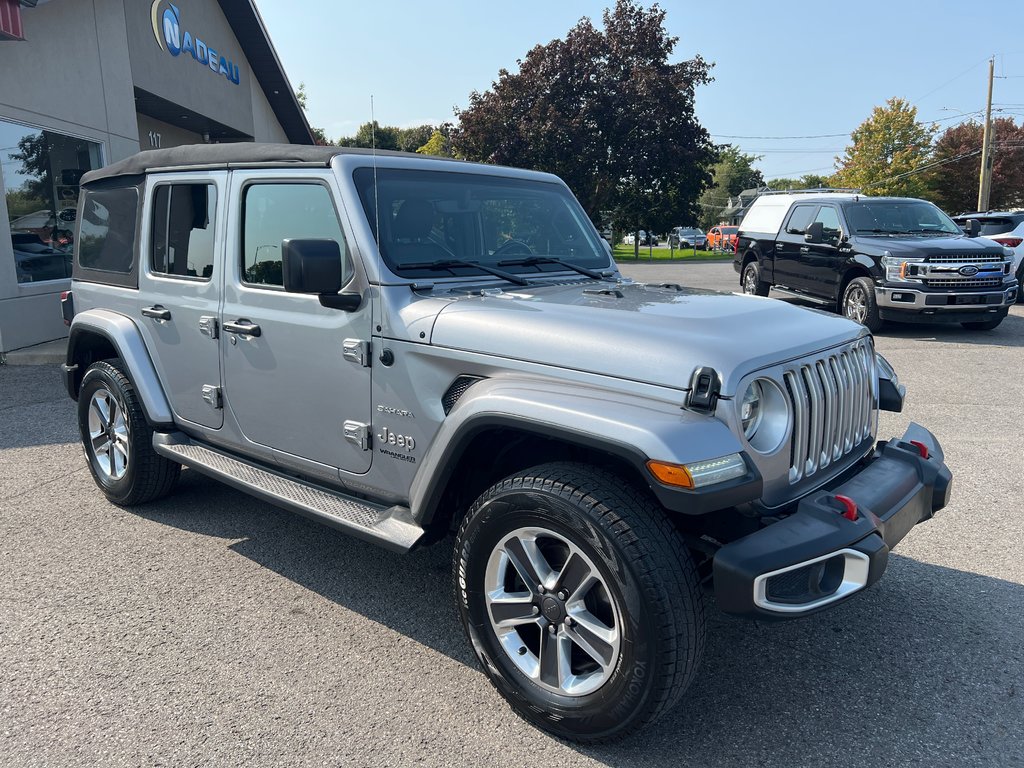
pixel 624 254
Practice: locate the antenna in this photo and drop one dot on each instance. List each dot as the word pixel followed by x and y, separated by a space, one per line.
pixel 376 206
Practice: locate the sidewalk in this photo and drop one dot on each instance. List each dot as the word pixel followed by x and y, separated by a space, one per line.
pixel 48 353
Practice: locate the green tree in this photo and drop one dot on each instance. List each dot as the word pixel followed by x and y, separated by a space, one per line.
pixel 607 111
pixel 807 181
pixel 731 174
pixel 888 152
pixel 954 178
pixel 411 139
pixel 319 135
pixel 439 144
pixel 373 134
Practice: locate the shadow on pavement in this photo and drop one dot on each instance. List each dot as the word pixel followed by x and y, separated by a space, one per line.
pixel 924 668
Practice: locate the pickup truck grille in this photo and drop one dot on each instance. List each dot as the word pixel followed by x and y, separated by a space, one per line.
pixel 964 258
pixel 988 282
pixel 833 407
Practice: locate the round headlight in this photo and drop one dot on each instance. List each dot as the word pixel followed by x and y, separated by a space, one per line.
pixel 750 410
pixel 764 415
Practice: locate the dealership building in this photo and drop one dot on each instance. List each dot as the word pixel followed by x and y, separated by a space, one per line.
pixel 84 83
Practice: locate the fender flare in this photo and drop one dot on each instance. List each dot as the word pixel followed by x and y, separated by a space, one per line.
pixel 124 336
pixel 629 427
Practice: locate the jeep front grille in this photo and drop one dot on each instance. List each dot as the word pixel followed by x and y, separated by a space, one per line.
pixel 833 407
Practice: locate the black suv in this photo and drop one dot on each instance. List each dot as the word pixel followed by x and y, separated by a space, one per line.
pixel 874 259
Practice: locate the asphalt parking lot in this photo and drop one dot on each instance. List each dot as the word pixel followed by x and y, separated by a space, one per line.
pixel 210 628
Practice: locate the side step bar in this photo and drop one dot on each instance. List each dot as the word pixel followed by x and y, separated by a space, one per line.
pixel 390 527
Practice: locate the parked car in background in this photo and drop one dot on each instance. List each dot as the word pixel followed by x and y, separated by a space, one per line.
pixel 36 261
pixel 1007 229
pixel 687 237
pixel 722 238
pixel 641 237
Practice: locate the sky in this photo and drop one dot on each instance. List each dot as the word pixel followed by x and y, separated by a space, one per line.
pixel 812 71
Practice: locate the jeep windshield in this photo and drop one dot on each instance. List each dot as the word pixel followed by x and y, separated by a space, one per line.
pixel 899 217
pixel 474 224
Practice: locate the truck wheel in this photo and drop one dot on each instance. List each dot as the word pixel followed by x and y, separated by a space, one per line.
pixel 117 440
pixel 752 283
pixel 984 325
pixel 859 303
pixel 580 599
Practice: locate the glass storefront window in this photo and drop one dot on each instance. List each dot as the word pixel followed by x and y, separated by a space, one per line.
pixel 41 174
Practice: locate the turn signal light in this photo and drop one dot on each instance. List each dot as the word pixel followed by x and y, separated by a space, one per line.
pixel 670 474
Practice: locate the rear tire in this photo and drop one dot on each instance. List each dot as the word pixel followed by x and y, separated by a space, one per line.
pixel 522 553
pixel 859 304
pixel 118 441
pixel 751 281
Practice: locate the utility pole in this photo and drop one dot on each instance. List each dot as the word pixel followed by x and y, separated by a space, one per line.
pixel 985 182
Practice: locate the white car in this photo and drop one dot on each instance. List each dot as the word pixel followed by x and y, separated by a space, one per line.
pixel 1006 228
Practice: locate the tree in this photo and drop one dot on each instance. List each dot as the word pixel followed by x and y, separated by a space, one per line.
pixel 888 152
pixel 373 134
pixel 954 179
pixel 807 181
pixel 732 173
pixel 439 144
pixel 319 136
pixel 606 111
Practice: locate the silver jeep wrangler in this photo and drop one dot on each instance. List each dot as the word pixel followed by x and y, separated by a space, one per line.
pixel 404 347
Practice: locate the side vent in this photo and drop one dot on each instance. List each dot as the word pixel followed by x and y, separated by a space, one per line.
pixel 457 390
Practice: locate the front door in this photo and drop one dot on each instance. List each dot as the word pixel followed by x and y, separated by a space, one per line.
pixel 791 249
pixel 287 381
pixel 180 281
pixel 822 259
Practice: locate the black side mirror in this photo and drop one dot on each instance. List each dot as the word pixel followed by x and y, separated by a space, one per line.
pixel 814 232
pixel 314 266
pixel 972 227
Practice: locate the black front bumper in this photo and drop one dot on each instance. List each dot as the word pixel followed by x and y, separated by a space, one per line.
pixel 818 556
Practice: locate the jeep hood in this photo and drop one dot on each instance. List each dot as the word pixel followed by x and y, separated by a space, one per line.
pixel 644 333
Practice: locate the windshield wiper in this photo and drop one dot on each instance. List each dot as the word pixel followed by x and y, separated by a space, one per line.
pixel 533 261
pixel 449 264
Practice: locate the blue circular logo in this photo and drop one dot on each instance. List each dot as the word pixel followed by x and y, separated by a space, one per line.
pixel 969 271
pixel 172 32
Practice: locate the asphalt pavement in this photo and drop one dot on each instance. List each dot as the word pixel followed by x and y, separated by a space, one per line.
pixel 211 628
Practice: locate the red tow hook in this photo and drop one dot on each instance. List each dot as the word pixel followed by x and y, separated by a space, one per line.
pixel 921 448
pixel 849 507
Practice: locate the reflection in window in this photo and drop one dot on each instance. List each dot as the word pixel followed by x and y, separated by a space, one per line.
pixel 107 230
pixel 183 227
pixel 41 174
pixel 276 212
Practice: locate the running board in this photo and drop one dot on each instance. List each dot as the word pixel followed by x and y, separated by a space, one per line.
pixel 390 527
pixel 805 297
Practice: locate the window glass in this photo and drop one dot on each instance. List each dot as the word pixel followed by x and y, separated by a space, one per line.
pixel 41 171
pixel 428 217
pixel 277 212
pixel 107 232
pixel 912 217
pixel 829 218
pixel 802 215
pixel 184 217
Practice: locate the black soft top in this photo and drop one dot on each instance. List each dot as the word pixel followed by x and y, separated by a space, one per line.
pixel 241 154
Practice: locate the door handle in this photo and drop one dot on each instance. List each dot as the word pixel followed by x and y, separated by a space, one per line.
pixel 804 249
pixel 157 312
pixel 242 328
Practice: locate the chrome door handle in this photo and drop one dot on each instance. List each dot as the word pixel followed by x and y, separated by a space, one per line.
pixel 157 312
pixel 242 328
pixel 804 249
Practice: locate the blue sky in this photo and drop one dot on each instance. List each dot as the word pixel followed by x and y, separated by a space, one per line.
pixel 783 68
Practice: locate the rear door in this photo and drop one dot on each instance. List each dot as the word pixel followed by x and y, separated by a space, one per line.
pixel 299 380
pixel 791 249
pixel 180 284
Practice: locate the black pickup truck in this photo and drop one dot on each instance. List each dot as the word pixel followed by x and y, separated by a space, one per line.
pixel 874 259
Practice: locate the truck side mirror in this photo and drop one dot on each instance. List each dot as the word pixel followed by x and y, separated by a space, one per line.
pixel 314 266
pixel 972 227
pixel 814 232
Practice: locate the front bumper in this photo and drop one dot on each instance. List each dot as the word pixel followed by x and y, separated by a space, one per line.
pixel 907 304
pixel 818 556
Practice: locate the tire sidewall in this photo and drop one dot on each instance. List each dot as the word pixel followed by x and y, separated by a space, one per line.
pixel 99 376
pixel 751 267
pixel 625 696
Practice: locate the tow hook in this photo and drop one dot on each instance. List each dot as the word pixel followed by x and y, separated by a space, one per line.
pixel 849 507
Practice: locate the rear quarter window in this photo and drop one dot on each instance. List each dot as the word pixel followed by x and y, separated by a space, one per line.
pixel 106 236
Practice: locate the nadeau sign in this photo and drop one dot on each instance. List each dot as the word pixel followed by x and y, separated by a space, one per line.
pixel 170 37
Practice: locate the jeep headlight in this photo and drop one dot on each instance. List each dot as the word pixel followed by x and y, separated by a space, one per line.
pixel 900 270
pixel 764 415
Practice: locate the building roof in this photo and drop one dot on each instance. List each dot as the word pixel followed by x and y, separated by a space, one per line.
pixel 242 154
pixel 246 23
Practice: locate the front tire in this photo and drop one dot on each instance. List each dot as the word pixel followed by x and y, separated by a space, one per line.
pixel 580 600
pixel 859 304
pixel 751 281
pixel 118 441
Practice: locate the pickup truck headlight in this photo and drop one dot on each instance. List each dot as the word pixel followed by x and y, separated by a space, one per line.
pixel 764 415
pixel 900 270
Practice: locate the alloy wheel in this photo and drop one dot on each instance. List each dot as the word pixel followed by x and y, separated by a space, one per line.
pixel 856 305
pixel 108 434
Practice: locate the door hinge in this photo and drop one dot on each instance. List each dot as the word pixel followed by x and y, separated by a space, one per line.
pixel 356 350
pixel 358 433
pixel 208 326
pixel 211 394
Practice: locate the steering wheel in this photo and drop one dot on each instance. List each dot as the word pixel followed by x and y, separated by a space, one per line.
pixel 512 248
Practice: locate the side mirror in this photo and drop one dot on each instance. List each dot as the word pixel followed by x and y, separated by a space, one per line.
pixel 814 232
pixel 972 227
pixel 314 266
